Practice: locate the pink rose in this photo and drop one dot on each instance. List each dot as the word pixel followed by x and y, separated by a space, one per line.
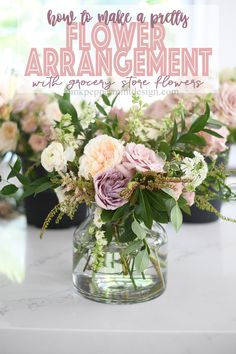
pixel 189 197
pixel 37 142
pixel 177 189
pixel 140 158
pixel 215 145
pixel 29 123
pixel 225 103
pixel 158 109
pixel 108 186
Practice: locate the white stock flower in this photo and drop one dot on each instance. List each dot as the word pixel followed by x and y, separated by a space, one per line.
pixel 100 153
pixel 54 157
pixel 97 218
pixel 100 237
pixel 87 116
pixel 195 169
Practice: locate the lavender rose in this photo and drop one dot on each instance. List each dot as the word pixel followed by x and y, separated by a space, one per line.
pixel 108 186
pixel 226 103
pixel 138 157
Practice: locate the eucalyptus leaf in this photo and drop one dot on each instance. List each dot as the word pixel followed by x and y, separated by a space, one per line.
pixel 132 247
pixel 190 138
pixel 176 217
pixel 212 132
pixel 175 134
pixel 106 100
pixel 114 100
pixel 200 123
pixel 138 230
pixel 101 109
pixel 142 261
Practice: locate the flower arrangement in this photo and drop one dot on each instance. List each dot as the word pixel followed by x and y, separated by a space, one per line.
pixel 136 173
pixel 26 124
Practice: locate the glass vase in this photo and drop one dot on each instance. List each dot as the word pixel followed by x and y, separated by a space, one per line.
pixel 117 280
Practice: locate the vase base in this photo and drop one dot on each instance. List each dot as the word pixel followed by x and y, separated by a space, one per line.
pixel 118 290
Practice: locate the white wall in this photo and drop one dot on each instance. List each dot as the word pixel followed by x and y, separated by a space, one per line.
pixel 227 30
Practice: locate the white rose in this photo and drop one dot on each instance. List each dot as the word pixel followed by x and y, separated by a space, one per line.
pixel 54 157
pixel 100 153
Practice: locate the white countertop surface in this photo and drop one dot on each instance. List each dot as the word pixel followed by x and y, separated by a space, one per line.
pixel 40 314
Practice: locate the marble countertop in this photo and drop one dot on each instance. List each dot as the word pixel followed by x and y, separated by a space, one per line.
pixel 40 314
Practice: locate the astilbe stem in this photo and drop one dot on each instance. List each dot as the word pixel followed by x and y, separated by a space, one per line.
pixel 205 205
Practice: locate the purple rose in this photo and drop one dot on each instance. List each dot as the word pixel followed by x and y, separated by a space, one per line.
pixel 108 186
pixel 140 158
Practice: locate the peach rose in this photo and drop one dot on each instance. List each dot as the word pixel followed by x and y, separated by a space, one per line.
pixel 37 142
pixel 8 137
pixel 5 111
pixel 100 153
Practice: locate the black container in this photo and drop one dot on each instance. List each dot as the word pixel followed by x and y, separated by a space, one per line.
pixel 38 207
pixel 199 216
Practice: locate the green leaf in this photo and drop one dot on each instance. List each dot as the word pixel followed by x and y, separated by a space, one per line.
pixel 155 200
pixel 190 138
pixel 108 232
pixel 170 192
pixel 133 247
pixel 66 95
pixel 43 187
pixel 212 132
pixel 160 216
pixel 15 172
pixel 164 147
pixel 184 205
pixel 201 121
pixel 214 123
pixel 142 261
pixel 28 191
pixel 138 230
pixel 101 109
pixel 119 212
pixel 15 168
pixel 186 209
pixel 9 189
pixel 175 134
pixel 128 235
pixel 66 107
pixel 114 100
pixel 170 203
pixel 146 212
pixel 106 100
pixel 176 217
pixel 106 215
pixel 183 125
